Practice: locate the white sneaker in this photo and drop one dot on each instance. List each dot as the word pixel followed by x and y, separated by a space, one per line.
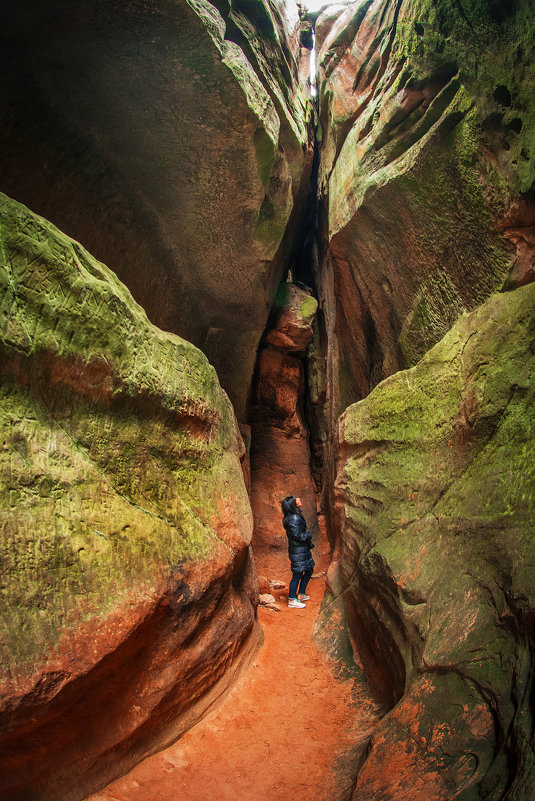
pixel 293 603
pixel 302 597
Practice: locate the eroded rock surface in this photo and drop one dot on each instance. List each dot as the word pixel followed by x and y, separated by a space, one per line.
pixel 427 165
pixel 435 505
pixel 170 138
pixel 128 590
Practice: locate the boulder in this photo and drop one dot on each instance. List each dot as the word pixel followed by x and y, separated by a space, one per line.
pixel 170 138
pixel 266 599
pixel 296 309
pixel 436 563
pixel 128 590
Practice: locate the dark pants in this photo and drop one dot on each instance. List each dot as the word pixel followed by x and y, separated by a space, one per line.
pixel 299 582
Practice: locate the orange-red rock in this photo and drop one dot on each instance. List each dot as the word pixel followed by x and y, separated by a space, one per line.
pixel 425 149
pixel 296 309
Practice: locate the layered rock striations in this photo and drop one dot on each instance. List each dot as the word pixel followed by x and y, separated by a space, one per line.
pixel 170 138
pixel 427 165
pixel 435 501
pixel 128 594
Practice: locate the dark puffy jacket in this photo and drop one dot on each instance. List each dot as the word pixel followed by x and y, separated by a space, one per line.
pixel 299 543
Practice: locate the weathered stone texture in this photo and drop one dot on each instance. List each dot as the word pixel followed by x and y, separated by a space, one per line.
pixel 170 138
pixel 435 504
pixel 427 163
pixel 127 588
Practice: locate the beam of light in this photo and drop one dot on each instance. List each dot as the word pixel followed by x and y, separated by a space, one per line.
pixel 315 5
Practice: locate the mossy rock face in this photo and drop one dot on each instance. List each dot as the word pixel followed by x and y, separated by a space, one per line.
pixel 295 309
pixel 169 137
pixel 428 159
pixel 124 516
pixel 436 502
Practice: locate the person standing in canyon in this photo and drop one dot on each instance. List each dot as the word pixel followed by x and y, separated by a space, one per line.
pixel 299 550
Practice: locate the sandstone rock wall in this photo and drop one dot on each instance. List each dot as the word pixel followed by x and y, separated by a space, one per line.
pixel 170 138
pixel 427 166
pixel 128 593
pixel 435 502
pixel 426 191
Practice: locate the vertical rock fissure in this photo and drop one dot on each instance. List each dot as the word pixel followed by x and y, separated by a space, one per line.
pixel 289 409
pixel 281 462
pixel 286 457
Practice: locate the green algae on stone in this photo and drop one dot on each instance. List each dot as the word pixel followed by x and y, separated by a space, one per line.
pixel 493 45
pixel 294 310
pixel 308 307
pixel 436 307
pixel 304 304
pixel 117 443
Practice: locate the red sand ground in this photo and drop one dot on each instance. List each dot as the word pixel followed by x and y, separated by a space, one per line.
pixel 279 731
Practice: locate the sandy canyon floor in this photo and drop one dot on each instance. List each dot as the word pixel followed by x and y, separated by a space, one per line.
pixel 289 728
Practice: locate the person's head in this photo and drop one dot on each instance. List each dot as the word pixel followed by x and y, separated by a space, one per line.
pixel 291 505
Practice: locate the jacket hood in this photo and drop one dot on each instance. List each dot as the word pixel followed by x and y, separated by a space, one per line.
pixel 289 507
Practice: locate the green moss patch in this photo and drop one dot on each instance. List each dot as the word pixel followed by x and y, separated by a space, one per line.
pixel 117 442
pixel 438 489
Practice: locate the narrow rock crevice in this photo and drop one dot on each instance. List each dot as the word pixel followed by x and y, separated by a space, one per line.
pixel 280 450
pixel 288 397
pixel 401 220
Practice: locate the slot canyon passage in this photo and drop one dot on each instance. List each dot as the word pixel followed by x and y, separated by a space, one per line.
pixel 249 250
